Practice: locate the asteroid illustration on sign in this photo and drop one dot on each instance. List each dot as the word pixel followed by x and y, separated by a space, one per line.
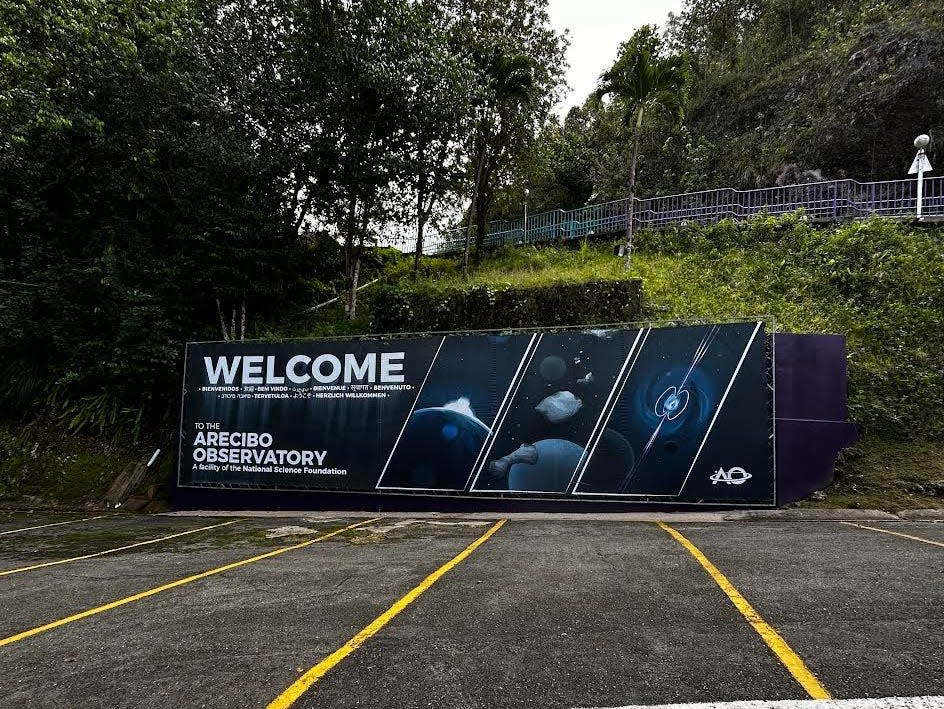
pixel 556 459
pixel 559 407
pixel 525 453
pixel 461 405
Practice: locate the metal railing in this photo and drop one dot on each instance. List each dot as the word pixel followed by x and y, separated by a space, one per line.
pixel 834 200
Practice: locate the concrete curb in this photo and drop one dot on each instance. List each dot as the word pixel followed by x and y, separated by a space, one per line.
pixel 923 515
pixel 786 515
pixel 811 515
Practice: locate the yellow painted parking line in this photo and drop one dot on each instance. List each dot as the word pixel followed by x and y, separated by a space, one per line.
pixel 794 664
pixel 54 524
pixel 304 683
pixel 895 534
pixel 116 549
pixel 174 584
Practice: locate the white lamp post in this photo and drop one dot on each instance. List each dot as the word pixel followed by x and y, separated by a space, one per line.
pixel 527 193
pixel 920 166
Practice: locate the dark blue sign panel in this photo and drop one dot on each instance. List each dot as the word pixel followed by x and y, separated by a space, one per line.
pixel 673 414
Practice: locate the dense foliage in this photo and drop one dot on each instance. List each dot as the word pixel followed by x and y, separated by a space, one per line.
pixel 781 91
pixel 132 204
pixel 198 169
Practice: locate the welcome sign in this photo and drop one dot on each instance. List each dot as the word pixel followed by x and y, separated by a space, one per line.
pixel 671 414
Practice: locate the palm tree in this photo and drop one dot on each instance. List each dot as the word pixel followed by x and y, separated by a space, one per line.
pixel 642 82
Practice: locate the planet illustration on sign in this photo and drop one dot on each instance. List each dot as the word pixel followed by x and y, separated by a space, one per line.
pixel 438 449
pixel 557 460
pixel 552 368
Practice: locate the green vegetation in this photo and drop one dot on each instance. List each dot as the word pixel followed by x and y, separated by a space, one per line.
pixel 886 473
pixel 780 91
pixel 531 267
pixel 490 307
pixel 45 468
pixel 641 82
pixel 205 169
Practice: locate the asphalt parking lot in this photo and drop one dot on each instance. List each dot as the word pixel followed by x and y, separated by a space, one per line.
pixel 344 611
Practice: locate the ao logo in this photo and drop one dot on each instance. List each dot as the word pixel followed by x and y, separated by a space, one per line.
pixel 734 476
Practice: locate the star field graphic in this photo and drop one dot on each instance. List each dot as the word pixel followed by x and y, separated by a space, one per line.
pixel 542 438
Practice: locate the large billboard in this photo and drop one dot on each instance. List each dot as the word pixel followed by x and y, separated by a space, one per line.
pixel 661 414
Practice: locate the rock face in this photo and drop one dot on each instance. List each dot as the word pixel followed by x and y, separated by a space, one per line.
pixel 847 107
pixel 559 407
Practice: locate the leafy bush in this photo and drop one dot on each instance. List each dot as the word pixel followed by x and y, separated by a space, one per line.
pixel 430 307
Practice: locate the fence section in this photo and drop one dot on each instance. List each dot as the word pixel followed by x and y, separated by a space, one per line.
pixel 835 200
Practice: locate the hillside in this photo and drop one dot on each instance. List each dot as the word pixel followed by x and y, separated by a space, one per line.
pixel 878 282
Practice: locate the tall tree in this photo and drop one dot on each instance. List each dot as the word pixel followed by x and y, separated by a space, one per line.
pixel 439 112
pixel 643 82
pixel 519 62
pixel 131 196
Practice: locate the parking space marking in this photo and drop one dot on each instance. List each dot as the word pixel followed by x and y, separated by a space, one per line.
pixel 871 703
pixel 54 524
pixel 116 549
pixel 174 584
pixel 304 683
pixel 794 664
pixel 896 534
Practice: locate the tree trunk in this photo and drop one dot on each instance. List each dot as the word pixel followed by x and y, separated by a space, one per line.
pixel 352 293
pixel 632 190
pixel 219 311
pixel 242 320
pixel 482 206
pixel 351 259
pixel 420 225
pixel 472 208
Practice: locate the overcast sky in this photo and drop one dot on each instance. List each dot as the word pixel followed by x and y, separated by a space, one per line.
pixel 596 29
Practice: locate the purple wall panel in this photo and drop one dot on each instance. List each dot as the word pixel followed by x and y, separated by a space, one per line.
pixel 810 413
pixel 811 377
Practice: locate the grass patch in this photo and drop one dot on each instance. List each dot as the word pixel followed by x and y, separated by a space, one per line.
pixel 49 470
pixel 887 474
pixel 535 266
